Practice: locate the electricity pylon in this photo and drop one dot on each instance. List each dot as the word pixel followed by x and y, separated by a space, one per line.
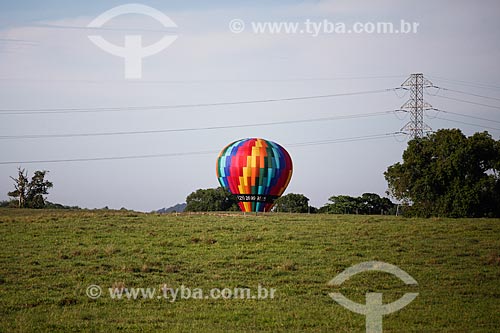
pixel 416 106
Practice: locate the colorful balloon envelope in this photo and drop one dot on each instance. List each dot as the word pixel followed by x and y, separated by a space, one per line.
pixel 256 171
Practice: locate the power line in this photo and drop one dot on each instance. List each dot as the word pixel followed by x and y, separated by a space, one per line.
pixel 201 81
pixel 457 114
pixel 469 116
pixel 341 117
pixel 469 102
pixel 342 140
pixel 68 135
pixel 467 83
pixel 470 124
pixel 112 158
pixel 467 93
pixel 179 106
pixel 205 152
pixel 72 27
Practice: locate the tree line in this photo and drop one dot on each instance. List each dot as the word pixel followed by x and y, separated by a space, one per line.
pixel 219 199
pixel 443 174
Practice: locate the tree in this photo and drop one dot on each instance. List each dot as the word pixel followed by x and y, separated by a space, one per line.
pixel 212 199
pixel 37 187
pixel 372 203
pixel 292 203
pixel 367 203
pixel 30 193
pixel 21 187
pixel 449 174
pixel 343 204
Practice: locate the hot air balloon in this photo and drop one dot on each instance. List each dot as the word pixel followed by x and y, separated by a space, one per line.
pixel 256 171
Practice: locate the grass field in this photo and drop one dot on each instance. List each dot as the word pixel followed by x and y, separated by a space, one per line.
pixel 49 258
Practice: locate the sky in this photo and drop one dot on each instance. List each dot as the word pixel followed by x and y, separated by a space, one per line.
pixel 55 82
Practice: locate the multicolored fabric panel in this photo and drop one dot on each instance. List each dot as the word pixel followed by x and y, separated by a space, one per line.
pixel 257 171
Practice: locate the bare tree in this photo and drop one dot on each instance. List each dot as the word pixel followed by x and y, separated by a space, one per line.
pixel 21 187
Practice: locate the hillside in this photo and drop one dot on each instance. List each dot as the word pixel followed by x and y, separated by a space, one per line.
pixel 178 208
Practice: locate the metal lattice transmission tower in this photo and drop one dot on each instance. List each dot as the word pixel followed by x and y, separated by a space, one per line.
pixel 416 106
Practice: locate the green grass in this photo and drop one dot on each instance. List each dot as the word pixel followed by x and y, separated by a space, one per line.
pixel 48 258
